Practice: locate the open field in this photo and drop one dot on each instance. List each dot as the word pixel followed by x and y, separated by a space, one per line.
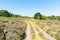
pixel 12 28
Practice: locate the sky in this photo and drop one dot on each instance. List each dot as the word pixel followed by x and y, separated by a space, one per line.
pixel 30 7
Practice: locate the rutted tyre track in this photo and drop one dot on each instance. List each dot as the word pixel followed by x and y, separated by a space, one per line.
pixel 36 33
pixel 28 32
pixel 37 37
pixel 48 37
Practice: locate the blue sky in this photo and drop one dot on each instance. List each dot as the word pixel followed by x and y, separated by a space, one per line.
pixel 30 7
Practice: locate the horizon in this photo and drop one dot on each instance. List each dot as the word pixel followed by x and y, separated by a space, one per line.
pixel 30 7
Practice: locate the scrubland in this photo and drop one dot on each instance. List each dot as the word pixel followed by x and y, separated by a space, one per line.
pixel 12 28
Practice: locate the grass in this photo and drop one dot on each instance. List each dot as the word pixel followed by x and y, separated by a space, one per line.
pixel 52 27
pixel 13 25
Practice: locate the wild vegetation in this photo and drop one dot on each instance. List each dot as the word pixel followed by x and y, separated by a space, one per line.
pixel 38 15
pixel 14 26
pixel 12 29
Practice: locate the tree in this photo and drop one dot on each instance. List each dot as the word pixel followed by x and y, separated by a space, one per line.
pixel 58 17
pixel 16 15
pixel 38 15
pixel 44 17
pixel 53 17
pixel 5 13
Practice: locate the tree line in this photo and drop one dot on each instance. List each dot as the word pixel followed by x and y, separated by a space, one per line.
pixel 37 15
pixel 5 13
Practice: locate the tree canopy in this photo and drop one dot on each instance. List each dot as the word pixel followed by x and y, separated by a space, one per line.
pixel 38 15
pixel 5 13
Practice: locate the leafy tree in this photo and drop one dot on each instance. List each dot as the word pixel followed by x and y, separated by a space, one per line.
pixel 16 15
pixel 38 15
pixel 44 17
pixel 58 17
pixel 5 13
pixel 53 17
